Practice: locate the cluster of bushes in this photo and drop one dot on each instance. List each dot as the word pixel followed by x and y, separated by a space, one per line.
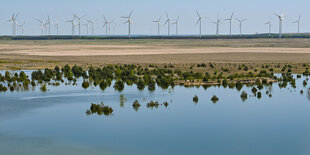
pixel 99 109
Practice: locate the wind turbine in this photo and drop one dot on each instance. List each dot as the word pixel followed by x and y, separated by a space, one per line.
pixel 158 24
pixel 56 24
pixel 176 23
pixel 200 22
pixel 217 23
pixel 269 26
pixel 73 25
pixel 298 24
pixel 48 23
pixel 129 21
pixel 107 25
pixel 240 24
pixel 230 20
pixel 92 26
pixel 13 23
pixel 41 25
pixel 22 28
pixel 79 22
pixel 168 22
pixel 87 28
pixel 281 18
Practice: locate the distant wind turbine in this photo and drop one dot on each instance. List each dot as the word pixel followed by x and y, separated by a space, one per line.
pixel 13 24
pixel 281 18
pixel 92 26
pixel 79 18
pixel 41 26
pixel 87 28
pixel 158 24
pixel 217 23
pixel 269 27
pixel 200 22
pixel 176 23
pixel 73 25
pixel 107 25
pixel 168 22
pixel 240 24
pixel 22 27
pixel 298 24
pixel 230 22
pixel 129 21
pixel 56 24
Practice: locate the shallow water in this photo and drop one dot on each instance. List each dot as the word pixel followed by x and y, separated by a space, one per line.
pixel 34 122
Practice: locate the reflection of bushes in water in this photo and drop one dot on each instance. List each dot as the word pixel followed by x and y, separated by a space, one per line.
pixel 152 104
pixel 122 100
pixel 136 105
pixel 195 99
pixel 259 95
pixel 99 109
pixel 43 88
pixel 244 96
pixel 214 99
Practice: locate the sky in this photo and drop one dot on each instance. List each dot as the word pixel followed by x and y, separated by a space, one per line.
pixel 257 12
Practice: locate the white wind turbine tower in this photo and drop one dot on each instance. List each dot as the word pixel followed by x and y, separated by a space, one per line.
pixel 200 22
pixel 158 24
pixel 176 23
pixel 298 24
pixel 79 22
pixel 129 21
pixel 22 27
pixel 73 25
pixel 168 22
pixel 13 23
pixel 281 18
pixel 87 28
pixel 269 27
pixel 41 26
pixel 56 24
pixel 217 23
pixel 230 22
pixel 107 25
pixel 240 25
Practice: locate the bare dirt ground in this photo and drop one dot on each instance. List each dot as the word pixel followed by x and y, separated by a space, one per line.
pixel 40 54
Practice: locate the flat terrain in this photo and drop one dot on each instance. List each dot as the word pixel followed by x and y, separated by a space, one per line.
pixel 39 54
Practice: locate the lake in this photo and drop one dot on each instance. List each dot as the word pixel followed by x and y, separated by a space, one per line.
pixel 55 122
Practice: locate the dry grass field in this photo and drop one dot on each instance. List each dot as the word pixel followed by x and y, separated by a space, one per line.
pixel 49 53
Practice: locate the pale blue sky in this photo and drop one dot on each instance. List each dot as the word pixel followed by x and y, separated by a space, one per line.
pixel 257 12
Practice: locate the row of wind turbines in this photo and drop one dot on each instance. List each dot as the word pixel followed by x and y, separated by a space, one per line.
pixel 75 22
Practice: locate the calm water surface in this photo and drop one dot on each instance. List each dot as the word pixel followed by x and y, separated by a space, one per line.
pixel 55 122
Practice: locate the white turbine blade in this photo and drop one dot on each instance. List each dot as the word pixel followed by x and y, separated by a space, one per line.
pixel 232 15
pixel 131 13
pixel 198 13
pixel 198 21
pixel 244 20
pixel 167 15
pixel 160 17
pixel 125 17
pixel 166 21
pixel 126 22
pixel 238 19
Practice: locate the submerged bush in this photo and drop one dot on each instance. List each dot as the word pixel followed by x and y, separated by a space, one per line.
pixel 101 109
pixel 152 104
pixel 214 99
pixel 244 96
pixel 136 105
pixel 43 87
pixel 195 99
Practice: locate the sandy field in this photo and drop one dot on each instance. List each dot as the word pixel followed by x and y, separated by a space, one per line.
pixel 38 54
